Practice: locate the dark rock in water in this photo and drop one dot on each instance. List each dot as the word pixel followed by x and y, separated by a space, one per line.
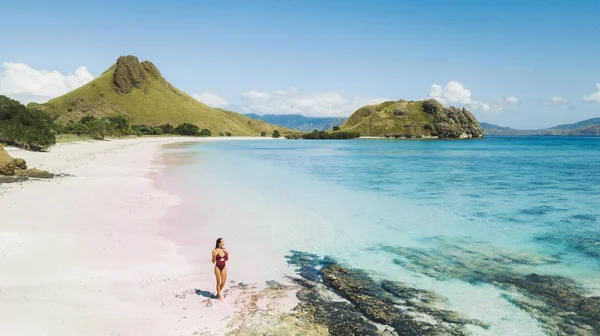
pixel 405 309
pixel 307 264
pixel 587 242
pixel 423 301
pixel 585 217
pixel 558 303
pixel 368 298
pixel 340 318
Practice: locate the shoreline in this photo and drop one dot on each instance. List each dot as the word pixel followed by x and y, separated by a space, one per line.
pixel 103 252
pixel 88 254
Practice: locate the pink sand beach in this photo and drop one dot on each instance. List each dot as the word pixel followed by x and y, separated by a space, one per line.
pixel 96 253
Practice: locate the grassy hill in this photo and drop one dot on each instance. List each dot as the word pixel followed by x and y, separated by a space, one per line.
pixel 139 92
pixel 420 119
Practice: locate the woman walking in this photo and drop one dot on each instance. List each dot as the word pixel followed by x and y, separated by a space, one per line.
pixel 219 257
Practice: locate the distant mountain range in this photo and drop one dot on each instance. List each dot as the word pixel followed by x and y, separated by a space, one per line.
pixel 585 127
pixel 299 122
pixel 307 124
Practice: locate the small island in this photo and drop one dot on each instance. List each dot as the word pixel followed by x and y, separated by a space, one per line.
pixel 413 119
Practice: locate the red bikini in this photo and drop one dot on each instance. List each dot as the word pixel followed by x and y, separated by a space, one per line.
pixel 221 261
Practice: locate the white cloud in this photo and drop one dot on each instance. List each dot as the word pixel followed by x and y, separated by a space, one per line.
pixel 285 93
pixel 26 84
pixel 318 104
pixel 211 99
pixel 512 100
pixel 558 100
pixel 455 94
pixel 594 97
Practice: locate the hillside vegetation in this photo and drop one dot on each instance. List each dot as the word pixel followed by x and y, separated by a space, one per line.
pixel 139 92
pixel 418 119
pixel 25 127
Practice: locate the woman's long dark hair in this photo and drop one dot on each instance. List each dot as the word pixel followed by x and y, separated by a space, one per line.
pixel 218 242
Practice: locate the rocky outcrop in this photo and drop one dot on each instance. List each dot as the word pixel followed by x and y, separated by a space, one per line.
pixel 420 119
pixel 7 165
pixel 15 170
pixel 364 304
pixel 129 74
pixel 452 122
pixel 34 173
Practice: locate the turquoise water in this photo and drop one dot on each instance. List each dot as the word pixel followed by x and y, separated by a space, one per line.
pixel 534 197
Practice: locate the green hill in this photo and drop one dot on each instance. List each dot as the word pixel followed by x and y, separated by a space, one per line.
pixel 418 119
pixel 139 92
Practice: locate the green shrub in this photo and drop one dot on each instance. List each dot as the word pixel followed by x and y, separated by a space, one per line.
pixel 293 136
pixel 262 134
pixel 188 129
pixel 98 128
pixel 326 135
pixel 276 134
pixel 87 120
pixel 205 132
pixel 23 127
pixel 228 133
pixel 144 129
pixel 77 128
pixel 336 128
pixel 168 129
pixel 119 125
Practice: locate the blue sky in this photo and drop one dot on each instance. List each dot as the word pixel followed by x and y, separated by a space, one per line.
pixel 526 64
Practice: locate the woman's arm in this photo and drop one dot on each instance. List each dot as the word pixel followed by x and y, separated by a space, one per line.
pixel 226 254
pixel 214 256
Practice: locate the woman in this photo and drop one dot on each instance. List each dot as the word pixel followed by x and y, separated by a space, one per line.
pixel 219 257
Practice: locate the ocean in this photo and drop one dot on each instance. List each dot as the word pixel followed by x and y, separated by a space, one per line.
pixel 490 225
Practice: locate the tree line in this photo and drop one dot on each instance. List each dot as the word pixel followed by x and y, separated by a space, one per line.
pixel 324 135
pixel 33 129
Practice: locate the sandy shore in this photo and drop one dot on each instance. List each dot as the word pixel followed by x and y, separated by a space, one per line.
pixel 86 255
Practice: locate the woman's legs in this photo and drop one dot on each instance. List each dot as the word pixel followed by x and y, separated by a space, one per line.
pixel 223 277
pixel 218 278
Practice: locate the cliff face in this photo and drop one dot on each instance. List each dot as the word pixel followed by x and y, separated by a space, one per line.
pixel 420 119
pixel 128 74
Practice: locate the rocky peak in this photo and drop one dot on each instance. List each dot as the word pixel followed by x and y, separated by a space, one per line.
pixel 129 74
pixel 151 69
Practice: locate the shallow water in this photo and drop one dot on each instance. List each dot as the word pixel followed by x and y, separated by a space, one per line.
pixel 519 204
